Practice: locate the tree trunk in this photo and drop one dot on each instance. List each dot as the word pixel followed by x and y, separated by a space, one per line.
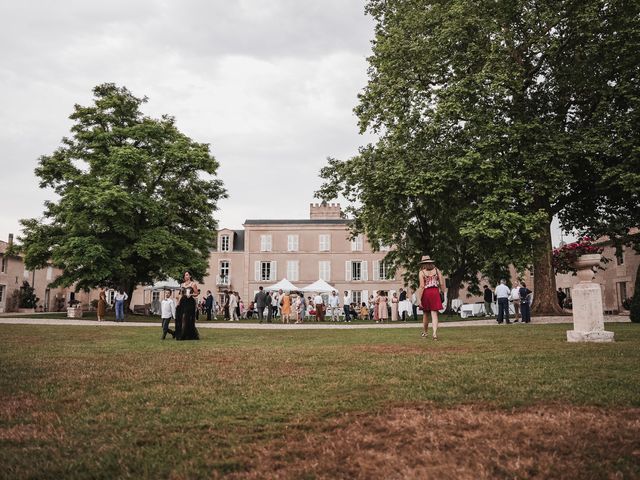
pixel 454 290
pixel 545 298
pixel 129 291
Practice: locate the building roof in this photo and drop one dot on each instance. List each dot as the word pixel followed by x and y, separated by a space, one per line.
pixel 319 221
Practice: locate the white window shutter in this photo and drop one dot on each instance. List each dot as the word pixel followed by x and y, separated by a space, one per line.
pixel 274 271
pixel 257 264
pixel 376 270
pixel 347 271
pixel 269 245
pixel 364 274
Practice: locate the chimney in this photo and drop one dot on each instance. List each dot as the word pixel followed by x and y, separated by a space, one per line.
pixel 10 240
pixel 324 210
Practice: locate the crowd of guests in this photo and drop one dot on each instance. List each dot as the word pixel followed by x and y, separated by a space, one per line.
pixel 519 296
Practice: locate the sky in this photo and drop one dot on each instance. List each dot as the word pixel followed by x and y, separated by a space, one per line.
pixel 270 85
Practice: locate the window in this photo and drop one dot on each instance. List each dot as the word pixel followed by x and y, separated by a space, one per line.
pixel 355 270
pixel 292 243
pixel 293 268
pixel 2 287
pixel 619 257
pixel 325 243
pixel 380 270
pixel 622 289
pixel 356 244
pixel 324 270
pixel 265 243
pixel 356 297
pixel 111 294
pixel 224 243
pixel 155 296
pixel 223 273
pixel 3 265
pixel 265 271
pixel 49 273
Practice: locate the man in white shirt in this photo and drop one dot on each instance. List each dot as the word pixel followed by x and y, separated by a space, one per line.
pixel 346 301
pixel 334 305
pixel 319 304
pixel 515 298
pixel 167 312
pixel 502 294
pixel 233 303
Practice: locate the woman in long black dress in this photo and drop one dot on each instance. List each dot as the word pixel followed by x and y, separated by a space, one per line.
pixel 187 314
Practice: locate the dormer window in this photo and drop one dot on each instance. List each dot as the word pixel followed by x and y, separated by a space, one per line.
pixel 225 242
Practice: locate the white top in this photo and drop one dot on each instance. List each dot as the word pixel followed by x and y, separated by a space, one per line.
pixel 502 291
pixel 334 301
pixel 233 301
pixel 275 300
pixel 168 308
pixel 515 294
pixel 347 299
pixel 120 296
pixel 318 299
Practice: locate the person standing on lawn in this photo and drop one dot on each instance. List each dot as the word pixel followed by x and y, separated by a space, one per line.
pixel 120 297
pixel 260 301
pixel 285 307
pixel 502 294
pixel 334 306
pixel 226 298
pixel 102 304
pixel 383 312
pixel 318 302
pixel 561 297
pixel 167 312
pixel 515 298
pixel 208 304
pixel 346 301
pixel 488 300
pixel 233 303
pixel 394 307
pixel 525 303
pixel 431 286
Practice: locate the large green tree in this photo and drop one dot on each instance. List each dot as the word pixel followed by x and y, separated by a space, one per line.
pixel 136 198
pixel 536 103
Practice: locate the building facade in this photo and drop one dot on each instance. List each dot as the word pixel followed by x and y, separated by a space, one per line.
pixel 300 250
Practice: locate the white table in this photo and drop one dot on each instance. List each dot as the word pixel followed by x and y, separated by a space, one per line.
pixel 471 310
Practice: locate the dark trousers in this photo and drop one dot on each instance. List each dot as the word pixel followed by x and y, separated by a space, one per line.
pixel 208 309
pixel 347 314
pixel 414 308
pixel 525 311
pixel 226 312
pixel 503 310
pixel 261 312
pixel 270 313
pixel 165 327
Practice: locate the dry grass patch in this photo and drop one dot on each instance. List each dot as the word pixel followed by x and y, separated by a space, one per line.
pixel 459 443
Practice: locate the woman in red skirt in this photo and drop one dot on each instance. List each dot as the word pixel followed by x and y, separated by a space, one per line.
pixel 432 281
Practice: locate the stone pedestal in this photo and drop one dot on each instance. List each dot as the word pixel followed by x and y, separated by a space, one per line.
pixel 74 312
pixel 588 317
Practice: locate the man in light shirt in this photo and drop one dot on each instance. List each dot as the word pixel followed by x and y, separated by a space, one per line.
pixel 233 303
pixel 515 298
pixel 319 304
pixel 346 301
pixel 167 312
pixel 334 305
pixel 502 294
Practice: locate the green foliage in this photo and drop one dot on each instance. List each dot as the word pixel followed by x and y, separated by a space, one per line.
pixel 28 297
pixel 494 117
pixel 136 198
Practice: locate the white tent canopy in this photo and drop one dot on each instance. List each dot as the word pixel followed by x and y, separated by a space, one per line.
pixel 284 285
pixel 168 284
pixel 319 286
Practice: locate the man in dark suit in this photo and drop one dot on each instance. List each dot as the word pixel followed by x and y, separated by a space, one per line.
pixel 260 301
pixel 208 304
pixel 225 300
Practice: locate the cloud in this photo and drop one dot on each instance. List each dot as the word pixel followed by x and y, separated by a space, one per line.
pixel 270 85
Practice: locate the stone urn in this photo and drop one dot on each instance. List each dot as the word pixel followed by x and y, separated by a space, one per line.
pixel 588 317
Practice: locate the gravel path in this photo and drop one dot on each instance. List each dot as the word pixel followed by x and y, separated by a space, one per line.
pixel 303 326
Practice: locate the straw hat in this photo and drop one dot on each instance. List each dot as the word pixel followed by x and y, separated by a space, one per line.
pixel 426 259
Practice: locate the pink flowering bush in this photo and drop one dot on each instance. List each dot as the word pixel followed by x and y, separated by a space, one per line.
pixel 564 258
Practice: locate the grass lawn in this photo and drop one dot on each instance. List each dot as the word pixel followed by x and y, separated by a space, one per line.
pixel 482 402
pixel 219 319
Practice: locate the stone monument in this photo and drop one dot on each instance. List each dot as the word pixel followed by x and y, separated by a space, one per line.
pixel 588 317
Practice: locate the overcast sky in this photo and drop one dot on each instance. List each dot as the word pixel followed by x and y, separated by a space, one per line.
pixel 269 84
